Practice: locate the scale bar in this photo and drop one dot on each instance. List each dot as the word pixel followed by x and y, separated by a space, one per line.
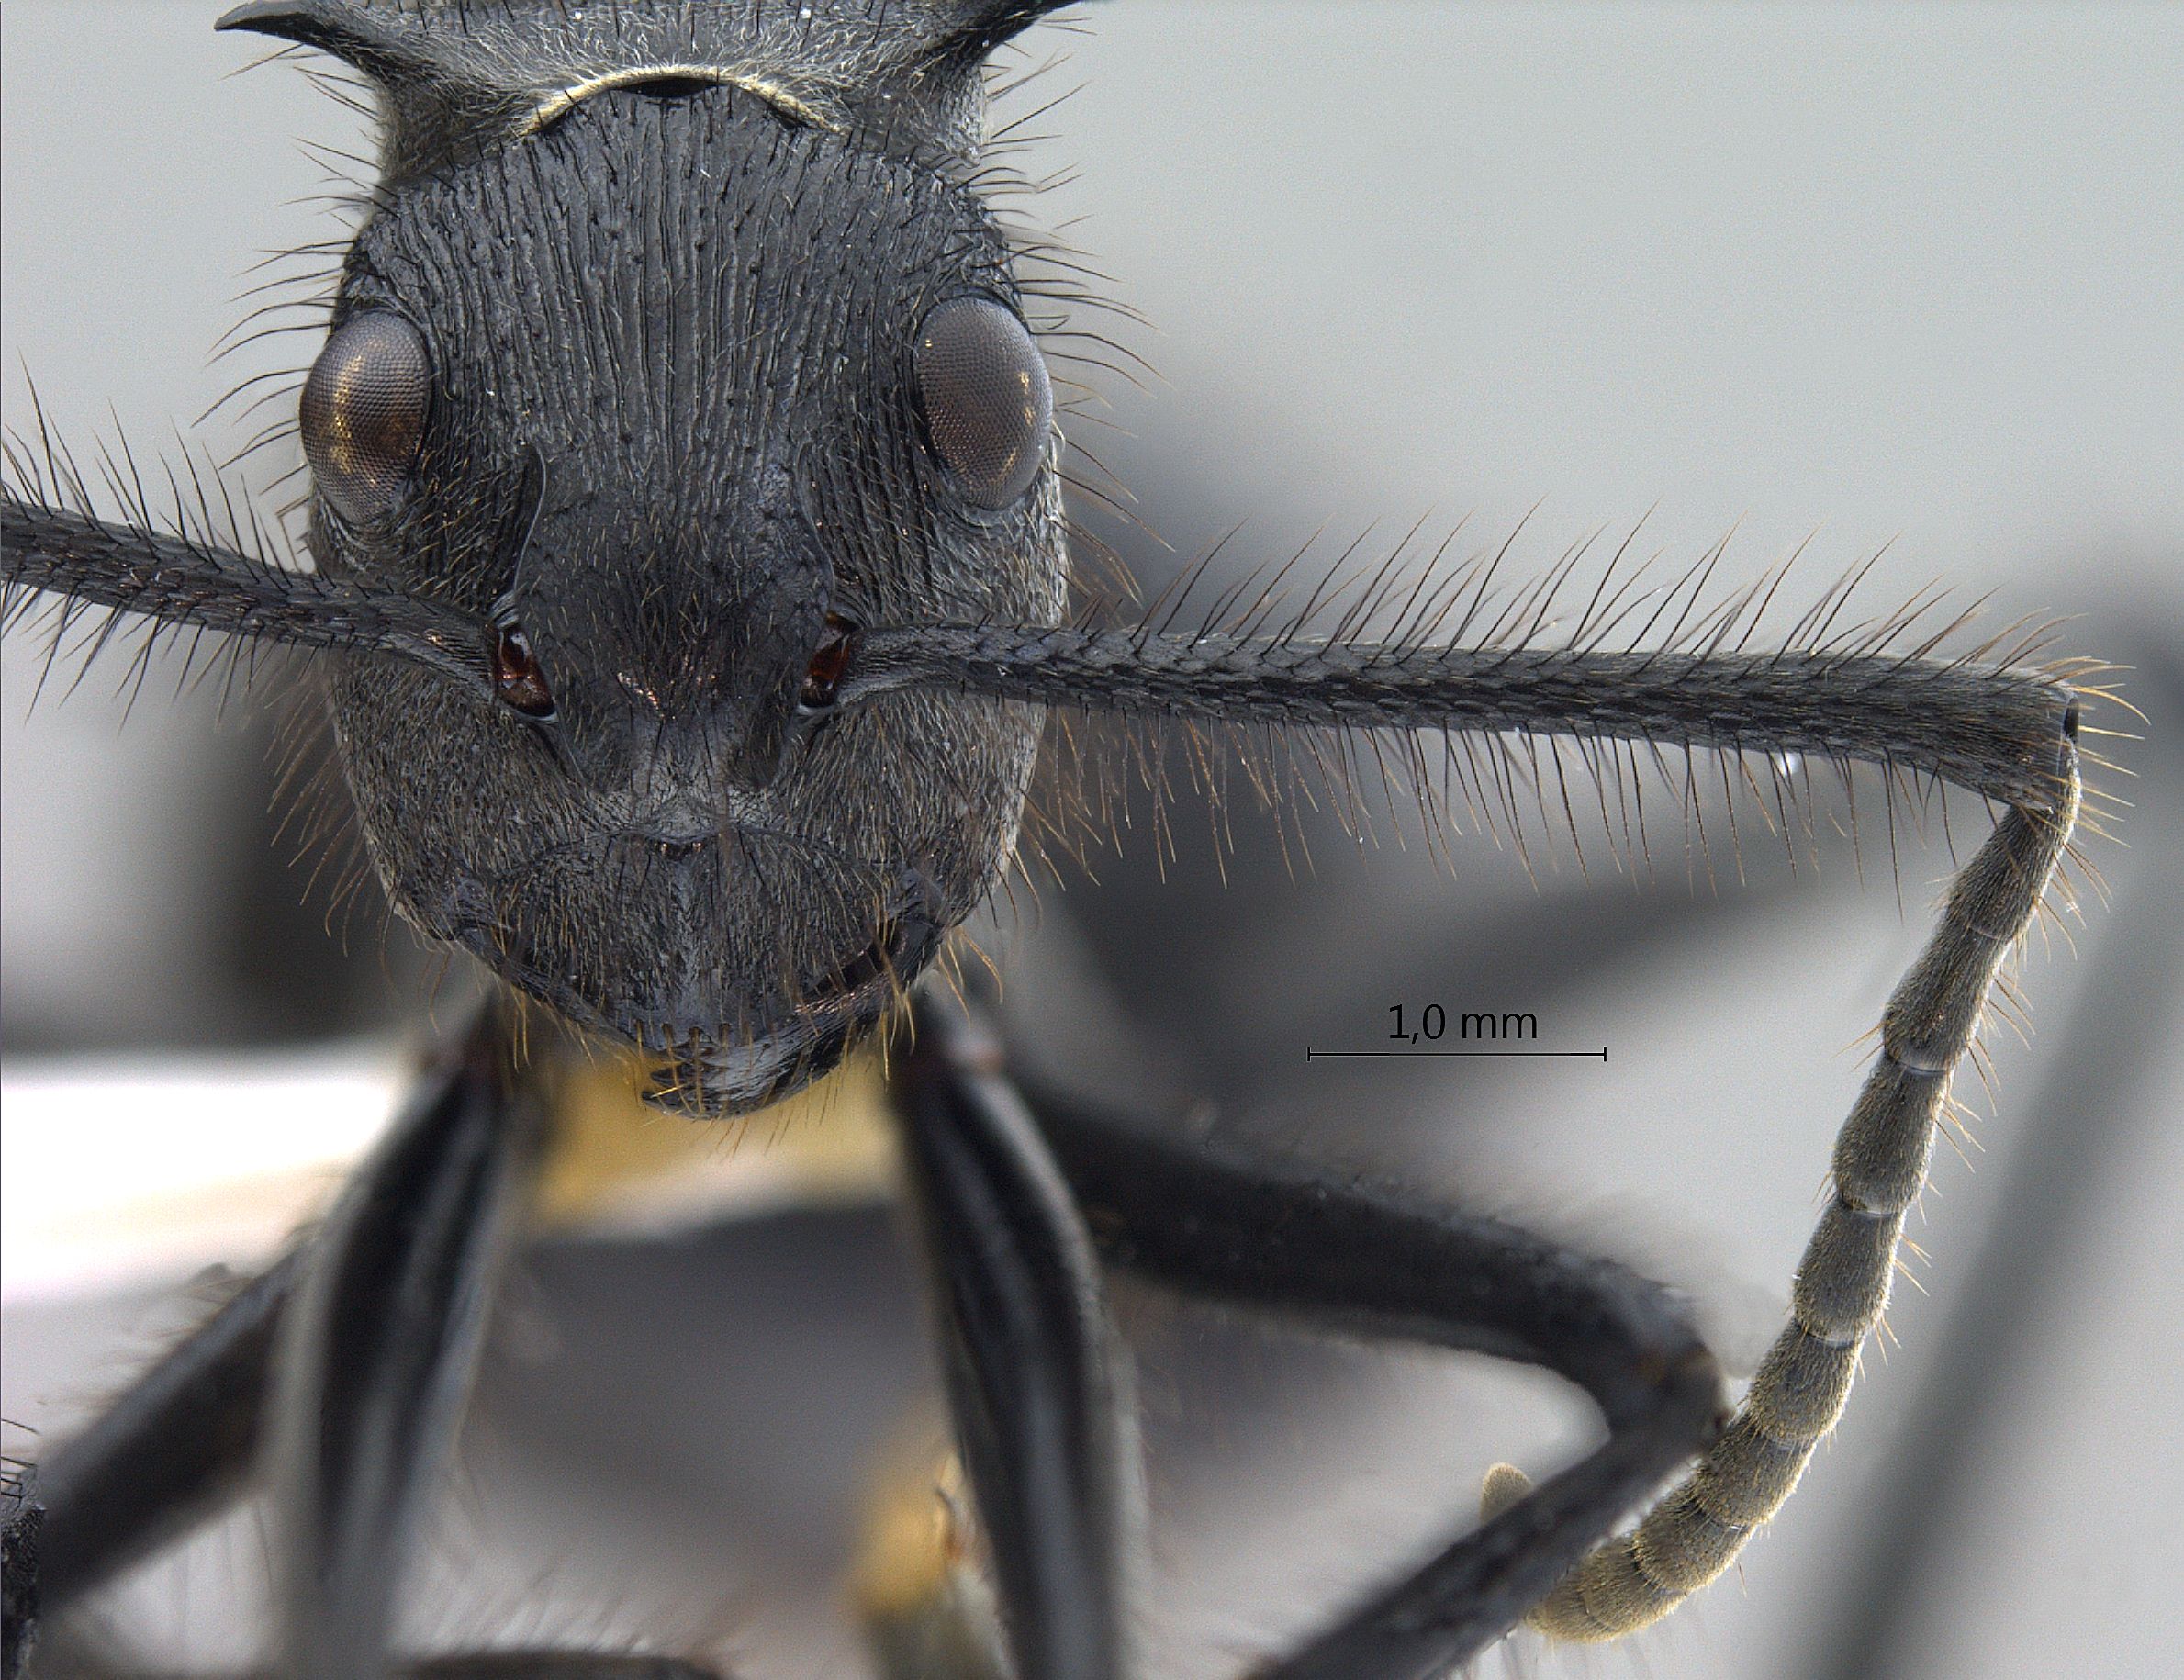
pixel 1598 1055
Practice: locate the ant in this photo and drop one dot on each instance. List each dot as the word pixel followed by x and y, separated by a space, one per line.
pixel 690 585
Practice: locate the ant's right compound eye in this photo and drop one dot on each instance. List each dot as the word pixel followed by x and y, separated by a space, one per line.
pixel 362 414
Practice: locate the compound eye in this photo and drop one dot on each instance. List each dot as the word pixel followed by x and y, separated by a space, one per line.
pixel 987 403
pixel 362 414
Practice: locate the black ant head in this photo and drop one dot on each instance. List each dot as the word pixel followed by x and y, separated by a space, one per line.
pixel 672 365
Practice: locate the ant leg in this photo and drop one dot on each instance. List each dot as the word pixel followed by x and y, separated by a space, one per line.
pixel 99 1663
pixel 1370 1262
pixel 172 1451
pixel 373 1361
pixel 181 1443
pixel 1035 1377
pixel 21 1516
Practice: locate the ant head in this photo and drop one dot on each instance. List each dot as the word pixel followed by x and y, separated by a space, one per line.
pixel 671 380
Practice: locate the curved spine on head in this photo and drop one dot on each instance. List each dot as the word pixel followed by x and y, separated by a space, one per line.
pixel 896 76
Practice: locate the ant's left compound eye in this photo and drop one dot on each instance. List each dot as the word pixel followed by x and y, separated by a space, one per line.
pixel 362 414
pixel 987 403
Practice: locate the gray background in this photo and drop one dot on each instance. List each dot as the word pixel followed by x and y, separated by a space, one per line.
pixel 1903 276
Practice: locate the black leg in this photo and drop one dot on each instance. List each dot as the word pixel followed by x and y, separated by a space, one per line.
pixel 1036 1383
pixel 418 1232
pixel 349 1360
pixel 374 1360
pixel 173 1451
pixel 21 1517
pixel 1370 1262
pixel 93 1660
